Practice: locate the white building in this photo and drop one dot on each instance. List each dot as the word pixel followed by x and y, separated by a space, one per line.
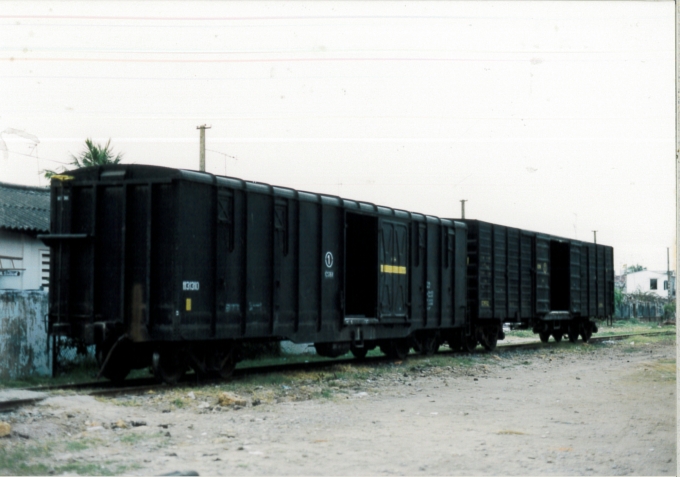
pixel 24 260
pixel 647 281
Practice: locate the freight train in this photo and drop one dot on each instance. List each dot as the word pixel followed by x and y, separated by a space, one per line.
pixel 176 269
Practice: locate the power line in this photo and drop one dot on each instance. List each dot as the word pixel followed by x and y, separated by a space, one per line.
pixel 40 158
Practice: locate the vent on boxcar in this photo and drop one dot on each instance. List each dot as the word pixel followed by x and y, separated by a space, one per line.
pixel 117 175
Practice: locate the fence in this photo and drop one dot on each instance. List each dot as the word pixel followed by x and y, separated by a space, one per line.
pixel 630 307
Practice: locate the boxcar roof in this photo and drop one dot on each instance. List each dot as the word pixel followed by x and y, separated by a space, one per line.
pixel 138 173
pixel 548 236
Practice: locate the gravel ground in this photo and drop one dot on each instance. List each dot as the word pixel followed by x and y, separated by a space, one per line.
pixel 566 410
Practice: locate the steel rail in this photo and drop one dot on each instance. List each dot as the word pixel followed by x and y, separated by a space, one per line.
pixel 142 385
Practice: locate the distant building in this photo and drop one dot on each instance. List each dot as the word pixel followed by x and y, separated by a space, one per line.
pixel 24 278
pixel 647 281
pixel 24 260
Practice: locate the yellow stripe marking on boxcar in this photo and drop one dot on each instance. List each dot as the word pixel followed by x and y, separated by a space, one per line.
pixel 188 304
pixel 393 269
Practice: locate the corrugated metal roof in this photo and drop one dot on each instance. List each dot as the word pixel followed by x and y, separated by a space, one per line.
pixel 24 208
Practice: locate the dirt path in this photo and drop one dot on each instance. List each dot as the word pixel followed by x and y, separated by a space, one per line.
pixel 596 410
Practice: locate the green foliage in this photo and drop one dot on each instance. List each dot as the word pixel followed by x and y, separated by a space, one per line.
pixel 669 310
pixel 618 297
pixel 93 155
pixel 635 268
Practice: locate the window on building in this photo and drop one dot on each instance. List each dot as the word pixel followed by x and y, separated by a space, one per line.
pixel 652 283
pixel 665 284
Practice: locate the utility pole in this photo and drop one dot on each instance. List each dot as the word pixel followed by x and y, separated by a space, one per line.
pixel 462 208
pixel 201 165
pixel 595 236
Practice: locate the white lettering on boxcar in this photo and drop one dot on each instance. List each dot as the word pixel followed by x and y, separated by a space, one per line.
pixel 190 286
pixel 329 259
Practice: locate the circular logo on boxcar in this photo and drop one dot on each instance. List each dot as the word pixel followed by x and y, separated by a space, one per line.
pixel 329 259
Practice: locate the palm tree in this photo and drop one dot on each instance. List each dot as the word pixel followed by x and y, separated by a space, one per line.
pixel 94 155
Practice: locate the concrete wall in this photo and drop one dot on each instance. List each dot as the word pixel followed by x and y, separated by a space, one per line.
pixel 23 334
pixel 26 253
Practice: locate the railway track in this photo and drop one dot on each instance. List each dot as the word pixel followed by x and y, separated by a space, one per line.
pixel 143 385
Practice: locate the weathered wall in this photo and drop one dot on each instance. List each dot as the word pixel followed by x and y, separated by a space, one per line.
pixel 23 334
pixel 631 308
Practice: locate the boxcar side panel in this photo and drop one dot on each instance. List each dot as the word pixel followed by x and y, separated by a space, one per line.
pixel 309 254
pixel 162 260
pixel 433 284
pixel 542 274
pixel 592 281
pixel 108 243
pixel 460 275
pixel 513 272
pixel 601 280
pixel 195 258
pixel 137 261
pixel 472 262
pixel 484 305
pixel 527 275
pixel 285 267
pixel 500 286
pixel 575 276
pixel 447 270
pixel 417 273
pixel 332 236
pixel 609 290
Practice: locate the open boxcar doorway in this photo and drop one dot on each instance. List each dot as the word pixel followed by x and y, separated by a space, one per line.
pixel 361 273
pixel 559 276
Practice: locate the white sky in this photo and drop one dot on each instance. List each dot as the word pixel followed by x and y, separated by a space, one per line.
pixel 557 117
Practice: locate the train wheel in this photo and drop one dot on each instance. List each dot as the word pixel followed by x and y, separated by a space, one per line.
pixel 557 336
pixel 490 337
pixel 396 349
pixel 359 353
pixel 586 333
pixel 168 366
pixel 224 362
pixel 469 343
pixel 544 336
pixel 573 334
pixel 429 345
pixel 110 356
pixel 454 341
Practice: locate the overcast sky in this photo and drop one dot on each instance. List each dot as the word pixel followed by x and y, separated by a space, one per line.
pixel 550 116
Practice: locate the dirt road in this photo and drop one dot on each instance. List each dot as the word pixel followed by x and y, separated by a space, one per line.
pixel 586 410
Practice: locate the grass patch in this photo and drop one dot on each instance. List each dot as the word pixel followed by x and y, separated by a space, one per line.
pixel 521 333
pixel 24 460
pixel 663 369
pixel 38 460
pixel 132 438
pixel 76 446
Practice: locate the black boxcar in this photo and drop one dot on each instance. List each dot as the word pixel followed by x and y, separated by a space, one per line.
pixel 175 268
pixel 552 284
